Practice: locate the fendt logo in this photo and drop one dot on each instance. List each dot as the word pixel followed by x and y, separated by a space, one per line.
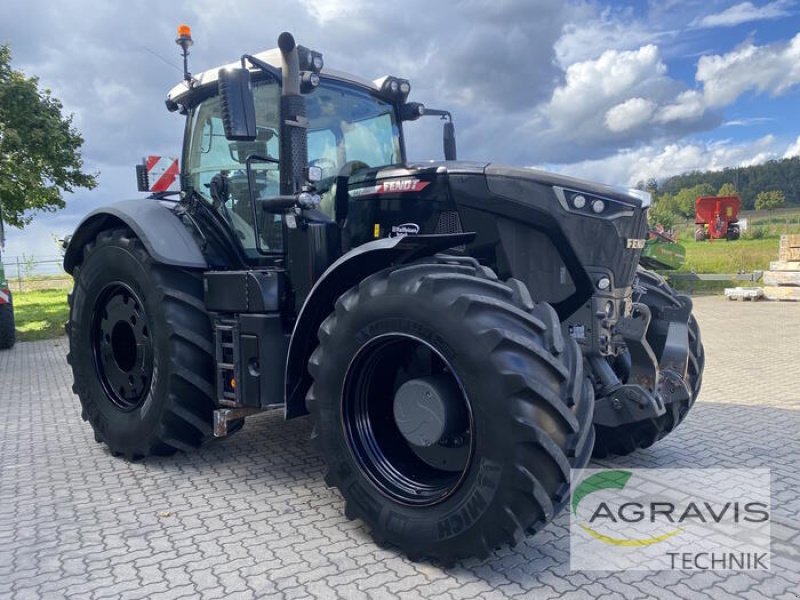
pixel 394 186
pixel 670 518
pixel 635 243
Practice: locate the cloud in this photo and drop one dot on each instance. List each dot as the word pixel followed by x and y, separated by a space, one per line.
pixel 689 105
pixel 590 32
pixel 630 114
pixel 661 161
pixel 745 12
pixel 621 99
pixel 793 150
pixel 746 121
pixel 772 69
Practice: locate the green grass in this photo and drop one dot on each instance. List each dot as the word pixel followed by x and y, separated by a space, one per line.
pixel 40 314
pixel 720 256
pixel 705 288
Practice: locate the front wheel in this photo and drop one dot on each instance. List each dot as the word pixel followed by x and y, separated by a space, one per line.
pixel 140 349
pixel 659 296
pixel 449 408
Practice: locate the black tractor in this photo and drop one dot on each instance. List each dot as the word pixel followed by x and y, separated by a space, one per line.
pixel 461 334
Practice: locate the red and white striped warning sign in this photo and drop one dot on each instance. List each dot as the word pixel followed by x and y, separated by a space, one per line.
pixel 4 296
pixel 162 173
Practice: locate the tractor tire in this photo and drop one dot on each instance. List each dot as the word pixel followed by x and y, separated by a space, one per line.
pixel 520 408
pixel 141 349
pixel 622 440
pixel 699 234
pixel 8 335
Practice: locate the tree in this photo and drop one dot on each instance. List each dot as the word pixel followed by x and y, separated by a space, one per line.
pixel 39 148
pixel 727 189
pixel 662 213
pixel 770 200
pixel 686 198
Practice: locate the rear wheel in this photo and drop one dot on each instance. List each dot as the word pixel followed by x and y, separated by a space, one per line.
pixel 699 233
pixel 8 334
pixel 449 408
pixel 657 294
pixel 140 349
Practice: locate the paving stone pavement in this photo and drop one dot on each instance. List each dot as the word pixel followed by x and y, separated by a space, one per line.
pixel 249 516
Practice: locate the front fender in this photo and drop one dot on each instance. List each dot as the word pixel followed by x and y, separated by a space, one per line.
pixel 345 273
pixel 161 231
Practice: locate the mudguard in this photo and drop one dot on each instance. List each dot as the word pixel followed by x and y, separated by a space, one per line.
pixel 161 231
pixel 343 274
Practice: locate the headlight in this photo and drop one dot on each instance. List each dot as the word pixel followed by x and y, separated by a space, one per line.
pixel 591 205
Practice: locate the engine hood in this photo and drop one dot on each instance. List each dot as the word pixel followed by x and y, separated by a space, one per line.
pixel 633 197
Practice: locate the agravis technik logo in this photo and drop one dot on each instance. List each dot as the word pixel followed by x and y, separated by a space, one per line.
pixel 670 519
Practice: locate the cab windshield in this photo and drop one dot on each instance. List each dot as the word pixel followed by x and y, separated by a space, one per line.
pixel 349 125
pixel 346 125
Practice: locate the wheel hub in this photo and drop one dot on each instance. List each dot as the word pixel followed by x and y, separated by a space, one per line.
pixel 122 346
pixel 426 409
pixel 407 420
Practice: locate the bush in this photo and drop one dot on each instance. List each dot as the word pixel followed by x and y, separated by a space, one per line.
pixel 758 232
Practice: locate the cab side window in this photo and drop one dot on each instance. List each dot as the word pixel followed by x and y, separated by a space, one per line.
pixel 210 154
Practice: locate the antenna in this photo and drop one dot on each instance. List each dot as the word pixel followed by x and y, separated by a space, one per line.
pixel 184 40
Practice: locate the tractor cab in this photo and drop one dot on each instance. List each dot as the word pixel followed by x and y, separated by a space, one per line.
pixel 351 124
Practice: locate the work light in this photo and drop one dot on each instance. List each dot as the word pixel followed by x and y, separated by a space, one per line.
pixel 309 59
pixel 393 88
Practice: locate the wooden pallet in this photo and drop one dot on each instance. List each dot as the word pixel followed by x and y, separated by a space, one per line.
pixel 789 254
pixel 784 266
pixel 791 240
pixel 789 248
pixel 744 293
pixel 773 292
pixel 782 281
pixel 782 278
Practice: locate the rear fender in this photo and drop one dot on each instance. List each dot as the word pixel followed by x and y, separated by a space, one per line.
pixel 345 273
pixel 163 234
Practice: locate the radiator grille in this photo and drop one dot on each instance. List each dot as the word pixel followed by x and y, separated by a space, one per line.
pixel 449 222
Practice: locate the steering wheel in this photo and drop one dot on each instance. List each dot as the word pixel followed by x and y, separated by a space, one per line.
pixel 328 188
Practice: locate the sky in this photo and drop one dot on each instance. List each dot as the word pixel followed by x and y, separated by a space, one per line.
pixel 616 92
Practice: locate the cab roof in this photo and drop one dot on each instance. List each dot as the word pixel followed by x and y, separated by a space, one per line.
pixel 179 93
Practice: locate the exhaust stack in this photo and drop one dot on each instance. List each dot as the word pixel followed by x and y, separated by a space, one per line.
pixel 294 124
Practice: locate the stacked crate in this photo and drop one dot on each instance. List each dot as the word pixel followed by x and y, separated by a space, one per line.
pixel 782 281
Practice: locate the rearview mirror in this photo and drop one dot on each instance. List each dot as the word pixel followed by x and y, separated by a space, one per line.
pixel 449 138
pixel 238 106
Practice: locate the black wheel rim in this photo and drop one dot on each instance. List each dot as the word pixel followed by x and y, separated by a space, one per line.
pixel 405 473
pixel 122 346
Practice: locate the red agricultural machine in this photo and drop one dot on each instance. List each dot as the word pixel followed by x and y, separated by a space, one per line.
pixel 717 217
